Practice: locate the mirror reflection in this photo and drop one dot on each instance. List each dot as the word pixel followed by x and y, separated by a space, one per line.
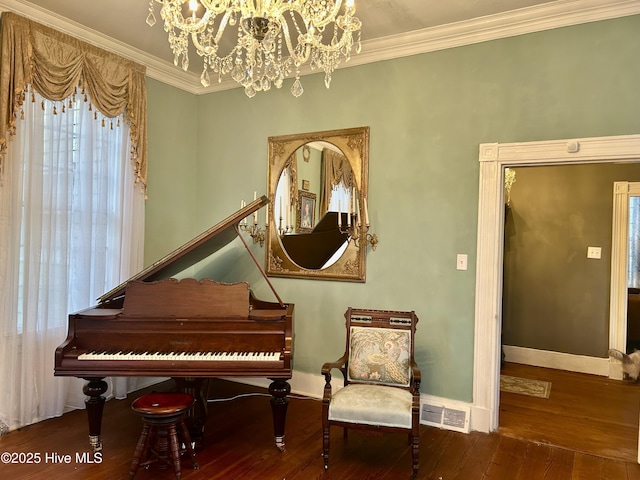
pixel 317 187
pixel 314 187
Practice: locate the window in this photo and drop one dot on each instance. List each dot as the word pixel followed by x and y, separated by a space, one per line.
pixel 72 223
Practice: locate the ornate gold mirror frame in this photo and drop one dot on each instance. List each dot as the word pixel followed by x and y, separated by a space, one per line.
pixel 285 153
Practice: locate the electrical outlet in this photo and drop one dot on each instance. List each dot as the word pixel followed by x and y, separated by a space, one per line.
pixel 594 252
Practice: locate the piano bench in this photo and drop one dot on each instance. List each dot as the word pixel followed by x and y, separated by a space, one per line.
pixel 162 414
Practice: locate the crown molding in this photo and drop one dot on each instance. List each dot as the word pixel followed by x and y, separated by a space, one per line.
pixel 157 69
pixel 556 14
pixel 561 13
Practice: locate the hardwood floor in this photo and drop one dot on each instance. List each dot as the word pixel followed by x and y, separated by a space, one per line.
pixel 584 413
pixel 239 444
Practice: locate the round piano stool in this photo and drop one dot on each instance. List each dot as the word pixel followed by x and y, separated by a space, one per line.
pixel 162 414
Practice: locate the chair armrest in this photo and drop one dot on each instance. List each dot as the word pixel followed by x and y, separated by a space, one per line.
pixel 338 364
pixel 415 376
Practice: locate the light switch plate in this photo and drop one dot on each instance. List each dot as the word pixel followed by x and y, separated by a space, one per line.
pixel 461 261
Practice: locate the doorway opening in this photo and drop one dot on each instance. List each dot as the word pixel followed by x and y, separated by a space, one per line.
pixel 556 299
pixel 494 158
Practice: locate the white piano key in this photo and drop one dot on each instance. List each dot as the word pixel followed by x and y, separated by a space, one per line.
pixel 180 356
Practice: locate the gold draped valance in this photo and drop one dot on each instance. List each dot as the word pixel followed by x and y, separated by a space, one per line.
pixel 55 64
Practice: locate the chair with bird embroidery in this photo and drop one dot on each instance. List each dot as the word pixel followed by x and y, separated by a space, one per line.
pixel 381 386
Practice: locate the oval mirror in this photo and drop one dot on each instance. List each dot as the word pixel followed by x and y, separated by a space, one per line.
pixel 315 181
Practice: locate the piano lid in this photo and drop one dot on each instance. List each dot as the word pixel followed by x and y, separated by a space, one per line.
pixel 199 248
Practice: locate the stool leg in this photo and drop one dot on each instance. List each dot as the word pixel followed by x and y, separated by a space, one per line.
pixel 187 443
pixel 141 447
pixel 151 441
pixel 175 451
pixel 162 446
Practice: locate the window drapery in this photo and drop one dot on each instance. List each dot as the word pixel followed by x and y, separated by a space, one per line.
pixel 56 64
pixel 71 212
pixel 71 228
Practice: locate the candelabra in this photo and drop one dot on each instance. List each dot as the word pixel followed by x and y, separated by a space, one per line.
pixel 255 232
pixel 357 232
pixel 284 229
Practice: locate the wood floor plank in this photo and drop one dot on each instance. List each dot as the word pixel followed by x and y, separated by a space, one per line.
pixel 605 413
pixel 507 462
pixel 239 444
pixel 633 471
pixel 587 467
pixel 461 459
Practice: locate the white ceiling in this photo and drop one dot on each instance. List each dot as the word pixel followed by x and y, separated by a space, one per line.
pixel 391 28
pixel 125 19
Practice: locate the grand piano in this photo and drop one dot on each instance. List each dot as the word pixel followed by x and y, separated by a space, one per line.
pixel 191 330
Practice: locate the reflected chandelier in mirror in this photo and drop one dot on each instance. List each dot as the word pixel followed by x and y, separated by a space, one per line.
pixel 318 218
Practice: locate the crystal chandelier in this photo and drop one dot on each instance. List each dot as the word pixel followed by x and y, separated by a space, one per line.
pixel 273 38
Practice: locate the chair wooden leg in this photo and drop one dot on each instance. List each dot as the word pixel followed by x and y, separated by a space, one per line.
pixel 325 446
pixel 415 452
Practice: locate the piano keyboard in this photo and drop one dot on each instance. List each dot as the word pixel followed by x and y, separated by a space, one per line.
pixel 188 356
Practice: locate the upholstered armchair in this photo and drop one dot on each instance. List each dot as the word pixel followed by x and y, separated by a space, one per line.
pixel 381 386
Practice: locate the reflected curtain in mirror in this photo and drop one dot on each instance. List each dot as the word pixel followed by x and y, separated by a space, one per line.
pixel 335 171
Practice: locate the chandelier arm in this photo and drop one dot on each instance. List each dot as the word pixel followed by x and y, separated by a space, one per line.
pixel 247 8
pixel 329 16
pixel 292 51
pixel 187 24
pixel 344 40
pixel 223 25
pixel 217 6
pixel 202 49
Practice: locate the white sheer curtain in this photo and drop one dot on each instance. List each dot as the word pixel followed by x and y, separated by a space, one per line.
pixel 71 228
pixel 283 203
pixel 340 198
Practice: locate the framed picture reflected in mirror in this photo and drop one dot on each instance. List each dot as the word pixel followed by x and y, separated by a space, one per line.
pixel 306 211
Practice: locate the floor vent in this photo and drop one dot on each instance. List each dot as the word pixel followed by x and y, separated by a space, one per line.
pixel 447 417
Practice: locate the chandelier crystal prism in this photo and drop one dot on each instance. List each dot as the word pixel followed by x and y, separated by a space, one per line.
pixel 260 42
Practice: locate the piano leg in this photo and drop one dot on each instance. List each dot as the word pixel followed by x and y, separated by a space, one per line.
pixel 279 389
pixel 95 404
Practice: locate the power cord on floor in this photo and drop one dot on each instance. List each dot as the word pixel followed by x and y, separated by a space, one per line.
pixel 242 395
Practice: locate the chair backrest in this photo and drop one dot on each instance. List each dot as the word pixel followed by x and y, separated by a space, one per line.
pixel 380 346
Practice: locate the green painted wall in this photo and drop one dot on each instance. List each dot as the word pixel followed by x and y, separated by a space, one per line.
pixel 170 218
pixel 428 114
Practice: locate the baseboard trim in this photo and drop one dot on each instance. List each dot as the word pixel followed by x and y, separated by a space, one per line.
pixel 557 360
pixel 312 386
